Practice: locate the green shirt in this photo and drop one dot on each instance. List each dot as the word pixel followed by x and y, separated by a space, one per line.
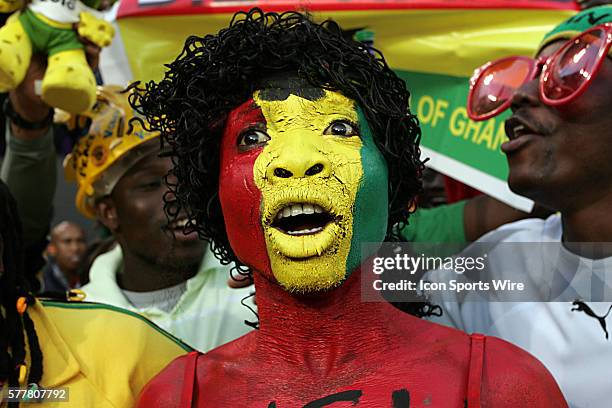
pixel 442 224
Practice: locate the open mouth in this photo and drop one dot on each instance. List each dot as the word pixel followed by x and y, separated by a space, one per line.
pixel 177 225
pixel 301 227
pixel 179 232
pixel 516 127
pixel 302 219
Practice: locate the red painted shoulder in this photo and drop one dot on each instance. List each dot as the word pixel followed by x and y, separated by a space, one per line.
pixel 165 389
pixel 514 378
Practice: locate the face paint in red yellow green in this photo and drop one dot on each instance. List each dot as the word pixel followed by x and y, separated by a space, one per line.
pixel 240 198
pixel 319 187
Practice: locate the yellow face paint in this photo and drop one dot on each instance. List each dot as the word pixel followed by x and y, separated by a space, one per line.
pixel 302 167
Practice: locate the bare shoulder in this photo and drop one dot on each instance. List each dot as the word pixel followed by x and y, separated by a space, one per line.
pixel 165 389
pixel 434 336
pixel 234 351
pixel 514 378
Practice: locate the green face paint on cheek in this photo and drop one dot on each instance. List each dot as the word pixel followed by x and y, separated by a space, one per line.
pixel 371 210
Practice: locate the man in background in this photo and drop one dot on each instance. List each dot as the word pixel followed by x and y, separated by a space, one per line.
pixel 66 249
pixel 159 269
pixel 558 155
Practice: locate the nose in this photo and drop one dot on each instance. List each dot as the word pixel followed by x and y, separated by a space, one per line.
pixel 291 164
pixel 77 248
pixel 528 94
pixel 311 171
pixel 73 247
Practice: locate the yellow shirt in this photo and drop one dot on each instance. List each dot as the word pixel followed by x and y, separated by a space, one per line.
pixel 102 354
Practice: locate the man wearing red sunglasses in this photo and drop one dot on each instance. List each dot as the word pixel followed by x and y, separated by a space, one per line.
pixel 560 155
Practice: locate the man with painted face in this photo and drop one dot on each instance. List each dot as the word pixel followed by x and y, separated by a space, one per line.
pixel 559 149
pixel 293 146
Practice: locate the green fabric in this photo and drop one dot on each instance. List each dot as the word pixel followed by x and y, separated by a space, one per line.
pixel 576 24
pixel 29 170
pixel 94 4
pixel 442 224
pixel 46 39
pixel 364 35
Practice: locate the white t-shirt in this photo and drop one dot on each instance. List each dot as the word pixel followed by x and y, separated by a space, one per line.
pixel 571 344
pixel 208 312
pixel 62 11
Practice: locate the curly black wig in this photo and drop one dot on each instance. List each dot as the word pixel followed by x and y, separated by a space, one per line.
pixel 216 73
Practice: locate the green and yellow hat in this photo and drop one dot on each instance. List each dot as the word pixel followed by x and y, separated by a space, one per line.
pixel 578 23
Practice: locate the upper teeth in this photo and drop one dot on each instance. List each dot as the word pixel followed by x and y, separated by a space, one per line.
pixel 297 209
pixel 181 223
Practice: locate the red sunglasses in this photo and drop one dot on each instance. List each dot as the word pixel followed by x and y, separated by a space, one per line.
pixel 565 75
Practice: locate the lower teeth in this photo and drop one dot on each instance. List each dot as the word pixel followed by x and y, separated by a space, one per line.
pixel 305 232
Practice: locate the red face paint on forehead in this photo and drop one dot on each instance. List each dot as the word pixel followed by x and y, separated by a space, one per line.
pixel 240 197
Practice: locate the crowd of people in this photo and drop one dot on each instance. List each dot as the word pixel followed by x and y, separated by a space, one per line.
pixel 261 162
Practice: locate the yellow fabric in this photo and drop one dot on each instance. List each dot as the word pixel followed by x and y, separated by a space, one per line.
pixel 53 23
pixel 103 355
pixel 441 41
pixel 297 127
pixel 15 54
pixel 96 30
pixel 69 83
pixel 8 6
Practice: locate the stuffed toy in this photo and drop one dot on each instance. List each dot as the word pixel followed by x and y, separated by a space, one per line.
pixel 53 27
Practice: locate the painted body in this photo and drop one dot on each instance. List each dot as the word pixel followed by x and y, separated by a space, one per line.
pixel 318 343
pixel 309 349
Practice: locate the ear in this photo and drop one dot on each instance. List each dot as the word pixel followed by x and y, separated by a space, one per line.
pixel 106 212
pixel 51 249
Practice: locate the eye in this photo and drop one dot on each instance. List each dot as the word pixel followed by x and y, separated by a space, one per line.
pixel 342 128
pixel 151 184
pixel 252 138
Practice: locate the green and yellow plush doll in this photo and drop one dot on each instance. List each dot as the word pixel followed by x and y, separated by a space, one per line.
pixel 48 27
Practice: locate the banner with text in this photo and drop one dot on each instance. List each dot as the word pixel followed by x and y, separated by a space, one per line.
pixel 433 45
